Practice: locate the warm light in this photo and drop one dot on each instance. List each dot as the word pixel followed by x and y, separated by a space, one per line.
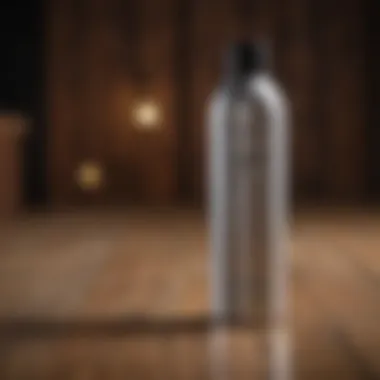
pixel 89 176
pixel 147 115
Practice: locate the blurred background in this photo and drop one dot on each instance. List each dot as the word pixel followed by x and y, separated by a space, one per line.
pixel 102 112
pixel 80 70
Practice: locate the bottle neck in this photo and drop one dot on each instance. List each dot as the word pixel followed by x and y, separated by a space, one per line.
pixel 240 87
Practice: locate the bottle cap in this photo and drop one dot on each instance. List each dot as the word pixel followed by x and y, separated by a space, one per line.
pixel 244 59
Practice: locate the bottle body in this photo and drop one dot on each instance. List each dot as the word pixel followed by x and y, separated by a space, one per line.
pixel 248 171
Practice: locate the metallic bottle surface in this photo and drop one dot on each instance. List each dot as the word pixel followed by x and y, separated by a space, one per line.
pixel 248 178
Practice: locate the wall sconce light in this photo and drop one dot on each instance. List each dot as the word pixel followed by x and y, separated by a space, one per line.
pixel 89 176
pixel 147 115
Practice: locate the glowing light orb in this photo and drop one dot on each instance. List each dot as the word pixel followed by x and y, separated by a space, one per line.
pixel 90 176
pixel 147 115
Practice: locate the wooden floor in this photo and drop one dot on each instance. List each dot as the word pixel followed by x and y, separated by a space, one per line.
pixel 74 289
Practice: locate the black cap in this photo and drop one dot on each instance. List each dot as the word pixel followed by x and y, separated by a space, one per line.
pixel 243 59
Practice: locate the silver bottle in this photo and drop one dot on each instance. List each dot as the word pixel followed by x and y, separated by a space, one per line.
pixel 248 181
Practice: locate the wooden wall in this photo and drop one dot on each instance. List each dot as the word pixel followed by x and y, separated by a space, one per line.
pixel 106 54
pixel 102 61
pixel 373 110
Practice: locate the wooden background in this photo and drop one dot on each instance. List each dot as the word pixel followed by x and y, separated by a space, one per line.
pixel 105 54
